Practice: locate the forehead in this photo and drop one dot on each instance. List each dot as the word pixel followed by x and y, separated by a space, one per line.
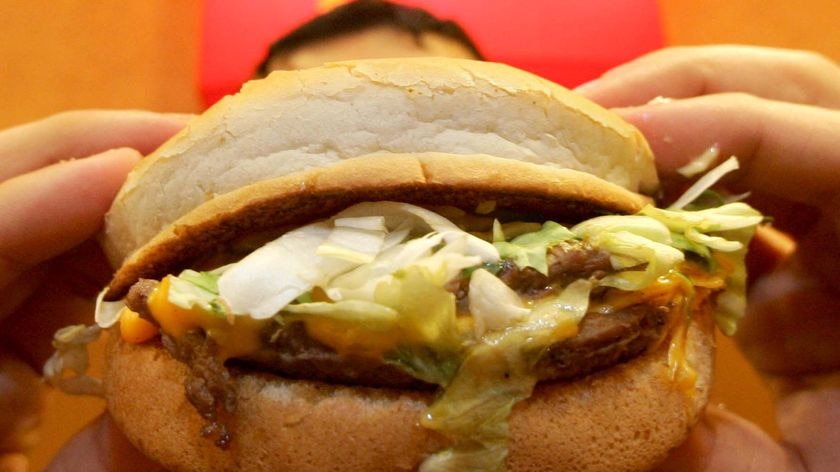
pixel 376 42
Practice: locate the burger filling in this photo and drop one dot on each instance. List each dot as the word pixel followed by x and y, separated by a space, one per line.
pixel 388 294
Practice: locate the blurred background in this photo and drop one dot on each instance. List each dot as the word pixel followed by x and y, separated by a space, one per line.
pixel 183 55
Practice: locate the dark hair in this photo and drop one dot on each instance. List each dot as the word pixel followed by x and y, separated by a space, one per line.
pixel 360 15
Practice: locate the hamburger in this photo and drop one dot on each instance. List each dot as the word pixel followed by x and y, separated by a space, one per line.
pixel 410 264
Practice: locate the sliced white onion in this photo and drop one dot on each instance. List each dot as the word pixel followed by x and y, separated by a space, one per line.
pixel 396 212
pixel 493 304
pixel 107 313
pixel 269 278
pixel 370 223
pixel 705 182
pixel 348 255
pixel 713 242
pixel 352 244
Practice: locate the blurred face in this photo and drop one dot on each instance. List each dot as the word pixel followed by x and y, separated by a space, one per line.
pixel 377 42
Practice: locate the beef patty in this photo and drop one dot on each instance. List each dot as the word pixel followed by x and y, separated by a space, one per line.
pixel 603 339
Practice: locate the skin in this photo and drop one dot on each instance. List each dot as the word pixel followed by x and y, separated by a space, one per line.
pixel 58 178
pixel 776 110
pixel 376 42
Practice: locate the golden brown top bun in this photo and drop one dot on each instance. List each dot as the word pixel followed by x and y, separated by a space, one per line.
pixel 295 120
pixel 426 179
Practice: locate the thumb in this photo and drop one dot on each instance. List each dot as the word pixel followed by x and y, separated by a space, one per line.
pixel 724 441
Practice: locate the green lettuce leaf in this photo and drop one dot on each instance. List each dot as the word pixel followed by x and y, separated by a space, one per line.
pixel 530 249
pixel 192 289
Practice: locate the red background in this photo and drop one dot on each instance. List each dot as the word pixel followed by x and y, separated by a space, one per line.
pixel 568 41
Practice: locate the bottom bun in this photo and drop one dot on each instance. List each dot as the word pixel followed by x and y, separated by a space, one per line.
pixel 625 418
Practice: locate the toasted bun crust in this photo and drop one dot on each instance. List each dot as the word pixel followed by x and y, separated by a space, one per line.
pixel 295 120
pixel 623 419
pixel 431 178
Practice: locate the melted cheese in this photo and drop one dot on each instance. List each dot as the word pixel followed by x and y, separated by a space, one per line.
pixel 235 336
pixel 685 292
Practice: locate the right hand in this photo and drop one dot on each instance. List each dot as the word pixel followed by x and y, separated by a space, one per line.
pixel 777 110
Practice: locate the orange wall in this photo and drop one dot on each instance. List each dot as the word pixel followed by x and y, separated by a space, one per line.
pixel 807 24
pixel 67 54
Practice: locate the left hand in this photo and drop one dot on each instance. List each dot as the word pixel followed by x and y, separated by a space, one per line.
pixel 57 180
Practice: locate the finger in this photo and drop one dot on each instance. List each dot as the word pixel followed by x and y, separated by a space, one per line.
pixel 21 402
pixel 777 74
pixel 17 292
pixel 786 150
pixel 82 133
pixel 101 447
pixel 808 420
pixel 56 208
pixel 792 313
pixel 28 333
pixel 724 441
pixel 53 296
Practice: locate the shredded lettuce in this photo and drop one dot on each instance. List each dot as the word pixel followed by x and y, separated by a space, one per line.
pixel 411 311
pixel 701 163
pixel 503 231
pixel 365 246
pixel 530 249
pixel 682 243
pixel 422 221
pixel 727 217
pixel 555 317
pixel 732 303
pixel 356 240
pixel 107 314
pixel 475 406
pixel 426 308
pixel 631 250
pixel 271 277
pixel 197 289
pixel 348 256
pixel 373 315
pixel 424 363
pixel 640 225
pixel 495 374
pixel 705 182
pixel 431 251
